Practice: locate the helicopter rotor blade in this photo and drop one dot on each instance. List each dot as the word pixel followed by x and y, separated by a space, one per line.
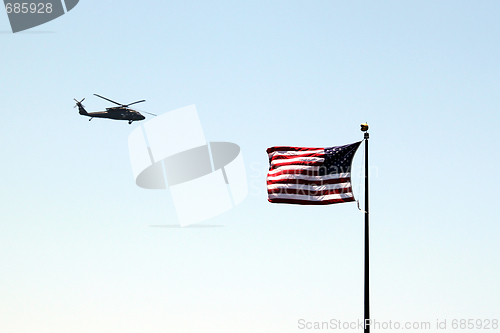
pixel 109 100
pixel 134 103
pixel 141 111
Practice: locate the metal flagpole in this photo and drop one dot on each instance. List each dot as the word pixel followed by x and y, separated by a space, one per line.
pixel 364 128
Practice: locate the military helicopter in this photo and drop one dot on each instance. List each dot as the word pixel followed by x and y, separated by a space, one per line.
pixel 121 112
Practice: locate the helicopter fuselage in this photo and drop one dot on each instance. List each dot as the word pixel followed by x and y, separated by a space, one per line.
pixel 117 113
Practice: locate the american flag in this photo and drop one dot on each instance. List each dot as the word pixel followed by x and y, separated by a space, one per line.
pixel 310 176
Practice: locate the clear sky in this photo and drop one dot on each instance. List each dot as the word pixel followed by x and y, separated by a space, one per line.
pixel 77 250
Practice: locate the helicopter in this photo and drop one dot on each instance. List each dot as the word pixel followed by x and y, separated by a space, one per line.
pixel 121 112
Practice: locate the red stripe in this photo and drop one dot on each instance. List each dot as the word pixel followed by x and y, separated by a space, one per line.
pixel 309 182
pixel 308 163
pixel 296 172
pixel 308 192
pixel 307 202
pixel 281 157
pixel 287 148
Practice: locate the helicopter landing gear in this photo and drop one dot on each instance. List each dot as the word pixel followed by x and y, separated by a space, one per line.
pixel 90 119
pixel 130 122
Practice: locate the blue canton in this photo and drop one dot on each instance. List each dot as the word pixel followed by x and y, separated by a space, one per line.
pixel 338 159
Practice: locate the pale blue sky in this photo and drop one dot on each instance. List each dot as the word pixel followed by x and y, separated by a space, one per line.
pixel 77 253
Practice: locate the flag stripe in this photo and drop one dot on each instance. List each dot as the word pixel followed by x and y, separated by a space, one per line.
pixel 293 176
pixel 290 156
pixel 308 181
pixel 295 169
pixel 308 197
pixel 294 153
pixel 289 148
pixel 312 161
pixel 310 200
pixel 313 193
pixel 308 187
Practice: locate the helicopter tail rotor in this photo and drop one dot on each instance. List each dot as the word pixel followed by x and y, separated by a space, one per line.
pixel 81 107
pixel 78 102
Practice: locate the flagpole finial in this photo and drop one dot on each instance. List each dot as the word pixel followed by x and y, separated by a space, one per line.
pixel 364 127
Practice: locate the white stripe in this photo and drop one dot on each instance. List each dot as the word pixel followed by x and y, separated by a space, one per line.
pixel 294 167
pixel 294 153
pixel 311 197
pixel 297 159
pixel 306 177
pixel 286 186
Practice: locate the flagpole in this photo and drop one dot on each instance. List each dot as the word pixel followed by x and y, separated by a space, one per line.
pixel 364 128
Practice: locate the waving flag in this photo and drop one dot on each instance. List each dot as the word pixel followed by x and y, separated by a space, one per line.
pixel 310 176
